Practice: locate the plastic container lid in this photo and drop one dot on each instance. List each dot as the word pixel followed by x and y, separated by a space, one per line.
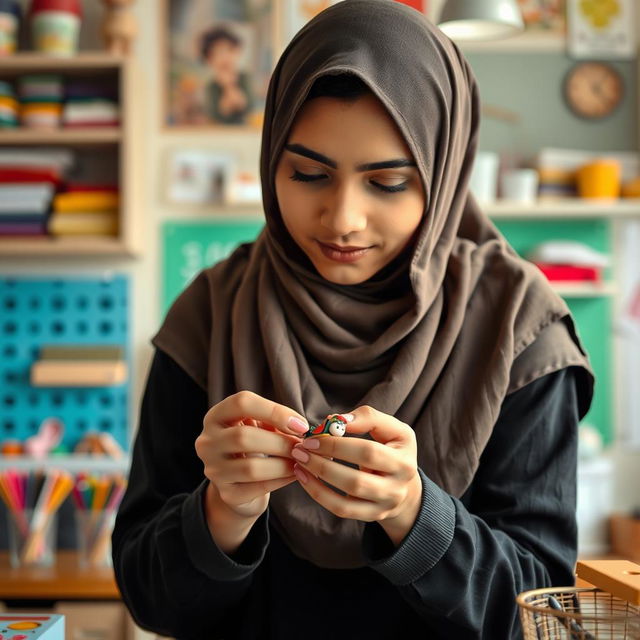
pixel 72 6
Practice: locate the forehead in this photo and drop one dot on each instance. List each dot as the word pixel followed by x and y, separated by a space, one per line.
pixel 359 129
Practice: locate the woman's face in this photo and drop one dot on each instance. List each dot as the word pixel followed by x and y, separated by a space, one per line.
pixel 348 187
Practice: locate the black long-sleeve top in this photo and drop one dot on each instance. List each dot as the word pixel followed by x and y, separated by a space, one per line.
pixel 454 576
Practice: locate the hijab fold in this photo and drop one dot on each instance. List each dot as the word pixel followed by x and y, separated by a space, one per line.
pixel 437 339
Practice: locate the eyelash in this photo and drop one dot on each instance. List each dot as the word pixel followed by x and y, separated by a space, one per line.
pixel 305 177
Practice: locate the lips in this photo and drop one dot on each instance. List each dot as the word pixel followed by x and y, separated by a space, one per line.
pixel 342 253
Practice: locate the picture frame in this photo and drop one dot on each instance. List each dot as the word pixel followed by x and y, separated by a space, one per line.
pixel 218 60
pixel 199 176
pixel 604 31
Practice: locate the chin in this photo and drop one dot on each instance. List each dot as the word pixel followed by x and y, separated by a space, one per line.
pixel 341 275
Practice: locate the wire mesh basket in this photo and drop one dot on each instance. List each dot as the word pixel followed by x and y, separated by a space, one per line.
pixel 573 613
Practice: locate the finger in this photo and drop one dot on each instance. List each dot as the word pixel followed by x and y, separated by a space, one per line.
pixel 254 470
pixel 354 482
pixel 246 405
pixel 382 427
pixel 242 492
pixel 233 440
pixel 365 453
pixel 341 506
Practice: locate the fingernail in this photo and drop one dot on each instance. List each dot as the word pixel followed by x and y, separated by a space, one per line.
pixel 349 417
pixel 311 443
pixel 299 454
pixel 297 425
pixel 300 474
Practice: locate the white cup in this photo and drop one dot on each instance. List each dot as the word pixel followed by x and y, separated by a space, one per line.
pixel 484 176
pixel 519 185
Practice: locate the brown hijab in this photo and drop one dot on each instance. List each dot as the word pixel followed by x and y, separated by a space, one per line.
pixel 438 338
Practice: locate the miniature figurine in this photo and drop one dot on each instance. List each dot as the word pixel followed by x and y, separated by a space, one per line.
pixel 118 26
pixel 333 425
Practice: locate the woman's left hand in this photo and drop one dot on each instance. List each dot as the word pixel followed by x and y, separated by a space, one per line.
pixel 386 488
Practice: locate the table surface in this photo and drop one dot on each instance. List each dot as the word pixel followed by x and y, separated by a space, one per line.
pixel 65 580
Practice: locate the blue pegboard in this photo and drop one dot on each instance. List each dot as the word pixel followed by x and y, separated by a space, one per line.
pixel 38 311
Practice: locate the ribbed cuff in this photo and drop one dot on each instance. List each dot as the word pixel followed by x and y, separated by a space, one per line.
pixel 424 545
pixel 205 554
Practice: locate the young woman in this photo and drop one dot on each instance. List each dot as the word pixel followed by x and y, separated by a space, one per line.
pixel 380 291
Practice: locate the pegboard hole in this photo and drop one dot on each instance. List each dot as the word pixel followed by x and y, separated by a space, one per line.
pixel 34 328
pixel 9 401
pixel 9 328
pixel 82 327
pixel 82 302
pixel 105 424
pixel 57 327
pixel 9 426
pixel 58 303
pixel 57 399
pixel 105 327
pixel 10 377
pixel 9 351
pixel 9 303
pixel 34 303
pixel 106 401
pixel 33 399
pixel 106 303
pixel 81 425
pixel 81 398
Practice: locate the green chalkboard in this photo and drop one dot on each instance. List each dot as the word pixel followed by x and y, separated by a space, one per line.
pixel 190 246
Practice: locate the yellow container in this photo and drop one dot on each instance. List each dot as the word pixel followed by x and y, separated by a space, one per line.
pixel 599 179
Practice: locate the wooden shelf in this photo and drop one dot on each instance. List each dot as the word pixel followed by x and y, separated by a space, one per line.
pixel 65 580
pixel 21 247
pixel 569 208
pixel 83 61
pixel 93 135
pixel 583 289
pixel 527 42
pixel 72 463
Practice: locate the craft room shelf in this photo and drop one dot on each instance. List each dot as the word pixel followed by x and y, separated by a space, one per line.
pixel 113 150
pixel 565 208
pixel 527 42
pixel 72 463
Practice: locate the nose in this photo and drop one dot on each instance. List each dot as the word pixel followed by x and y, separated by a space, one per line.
pixel 345 211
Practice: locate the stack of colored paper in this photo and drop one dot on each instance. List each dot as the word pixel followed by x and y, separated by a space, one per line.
pixel 90 105
pixel 28 181
pixel 85 211
pixel 8 106
pixel 79 366
pixel 41 100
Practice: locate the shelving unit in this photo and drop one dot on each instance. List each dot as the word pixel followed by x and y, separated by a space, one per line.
pixel 568 208
pixel 118 147
pixel 527 42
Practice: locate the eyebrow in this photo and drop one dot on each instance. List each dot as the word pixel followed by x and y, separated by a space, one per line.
pixel 301 150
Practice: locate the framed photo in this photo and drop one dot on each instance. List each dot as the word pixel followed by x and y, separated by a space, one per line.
pixel 220 57
pixel 199 176
pixel 601 29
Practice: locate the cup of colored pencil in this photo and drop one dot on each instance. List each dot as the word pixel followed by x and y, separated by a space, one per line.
pixel 33 499
pixel 96 498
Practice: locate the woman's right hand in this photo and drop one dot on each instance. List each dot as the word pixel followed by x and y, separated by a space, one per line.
pixel 245 446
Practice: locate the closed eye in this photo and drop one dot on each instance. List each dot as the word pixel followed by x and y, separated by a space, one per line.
pixel 315 177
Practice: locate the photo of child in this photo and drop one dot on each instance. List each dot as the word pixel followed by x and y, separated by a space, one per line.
pixel 228 94
pixel 220 60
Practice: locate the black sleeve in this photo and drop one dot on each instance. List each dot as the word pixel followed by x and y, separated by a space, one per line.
pixel 465 561
pixel 172 576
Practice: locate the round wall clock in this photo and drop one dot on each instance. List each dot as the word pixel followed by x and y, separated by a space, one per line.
pixel 593 89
